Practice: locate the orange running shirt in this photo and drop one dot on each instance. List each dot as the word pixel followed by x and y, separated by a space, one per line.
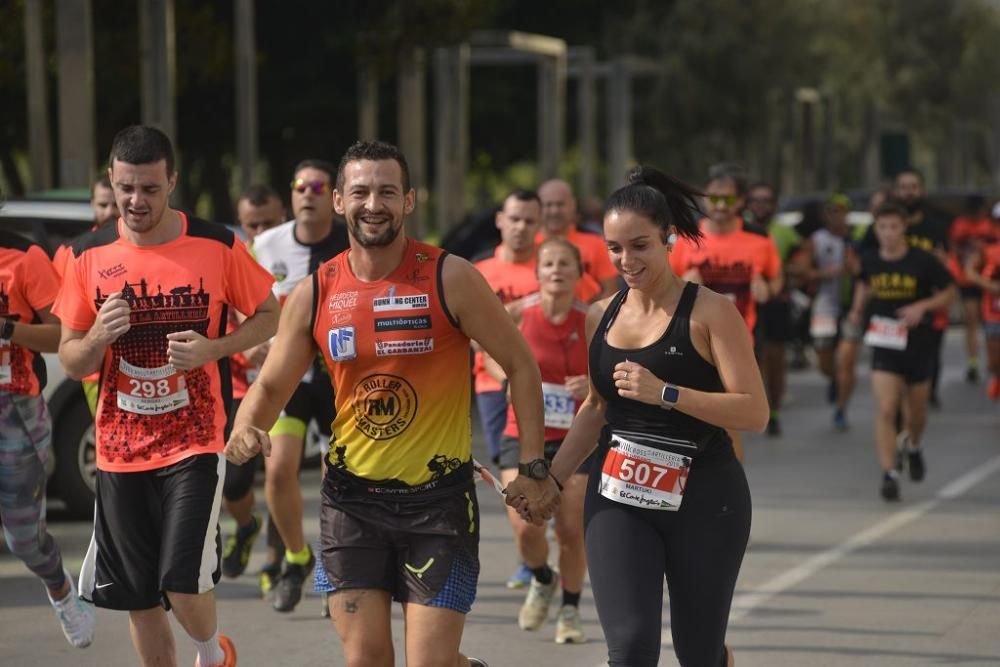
pixel 561 351
pixel 727 263
pixel 968 236
pixel 399 366
pixel 28 284
pixel 148 414
pixel 991 270
pixel 510 281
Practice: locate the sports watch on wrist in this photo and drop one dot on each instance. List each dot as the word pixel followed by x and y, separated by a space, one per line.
pixel 6 328
pixel 537 469
pixel 669 396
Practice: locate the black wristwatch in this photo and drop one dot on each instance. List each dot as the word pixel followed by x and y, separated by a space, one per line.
pixel 669 396
pixel 537 469
pixel 7 328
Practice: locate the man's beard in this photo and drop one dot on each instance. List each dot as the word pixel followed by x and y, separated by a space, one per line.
pixel 381 239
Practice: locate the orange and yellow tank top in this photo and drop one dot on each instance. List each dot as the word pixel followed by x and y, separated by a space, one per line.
pixel 400 369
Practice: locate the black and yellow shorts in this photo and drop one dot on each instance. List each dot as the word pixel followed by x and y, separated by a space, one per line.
pixel 421 548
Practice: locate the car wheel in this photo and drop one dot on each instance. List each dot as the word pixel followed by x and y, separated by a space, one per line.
pixel 76 459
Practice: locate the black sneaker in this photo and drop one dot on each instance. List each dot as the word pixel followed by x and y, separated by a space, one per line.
pixel 477 662
pixel 236 555
pixel 773 427
pixel 972 375
pixel 890 487
pixel 288 592
pixel 269 576
pixel 915 462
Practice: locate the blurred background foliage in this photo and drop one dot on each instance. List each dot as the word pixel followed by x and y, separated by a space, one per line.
pixel 731 70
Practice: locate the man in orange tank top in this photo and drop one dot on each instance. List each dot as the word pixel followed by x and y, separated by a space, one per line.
pixel 393 319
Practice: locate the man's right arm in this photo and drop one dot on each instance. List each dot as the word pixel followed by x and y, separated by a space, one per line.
pixel 81 352
pixel 291 353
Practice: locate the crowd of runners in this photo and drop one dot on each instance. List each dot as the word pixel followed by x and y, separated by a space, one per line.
pixel 612 374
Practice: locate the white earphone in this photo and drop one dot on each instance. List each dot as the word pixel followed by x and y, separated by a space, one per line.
pixel 672 239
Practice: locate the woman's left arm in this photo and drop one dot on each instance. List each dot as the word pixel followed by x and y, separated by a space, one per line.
pixel 742 406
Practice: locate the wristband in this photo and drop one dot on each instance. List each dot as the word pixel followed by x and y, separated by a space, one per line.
pixel 7 328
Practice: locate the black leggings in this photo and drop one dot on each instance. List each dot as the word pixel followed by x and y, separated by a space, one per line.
pixel 699 548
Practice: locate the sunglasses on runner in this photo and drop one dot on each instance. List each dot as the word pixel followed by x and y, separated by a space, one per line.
pixel 317 187
pixel 728 200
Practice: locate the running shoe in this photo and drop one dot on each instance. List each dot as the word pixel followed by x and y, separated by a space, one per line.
pixel 890 486
pixel 476 662
pixel 535 610
pixel 288 592
pixel 236 555
pixel 228 651
pixel 972 375
pixel 520 578
pixel 993 388
pixel 569 627
pixel 269 575
pixel 840 420
pixel 773 427
pixel 76 617
pixel 915 462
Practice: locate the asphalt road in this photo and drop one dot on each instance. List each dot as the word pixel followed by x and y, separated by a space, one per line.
pixel 834 576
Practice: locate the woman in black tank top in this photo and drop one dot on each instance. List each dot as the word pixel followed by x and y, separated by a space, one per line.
pixel 671 368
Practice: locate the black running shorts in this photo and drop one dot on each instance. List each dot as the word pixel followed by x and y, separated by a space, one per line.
pixel 915 364
pixel 421 550
pixel 155 531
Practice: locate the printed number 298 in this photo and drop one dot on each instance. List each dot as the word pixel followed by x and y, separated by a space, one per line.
pixel 641 472
pixel 149 389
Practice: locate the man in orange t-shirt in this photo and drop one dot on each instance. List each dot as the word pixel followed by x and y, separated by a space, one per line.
pixel 740 264
pixel 510 273
pixel 28 286
pixel 559 218
pixel 145 302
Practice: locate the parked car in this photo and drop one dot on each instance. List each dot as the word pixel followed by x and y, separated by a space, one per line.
pixel 51 223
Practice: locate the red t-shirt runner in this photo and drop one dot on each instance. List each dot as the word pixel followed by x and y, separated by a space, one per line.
pixel 150 415
pixel 561 352
pixel 28 284
pixel 512 281
pixel 727 263
pixel 593 252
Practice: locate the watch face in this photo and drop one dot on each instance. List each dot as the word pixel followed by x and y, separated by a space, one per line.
pixel 539 469
pixel 669 395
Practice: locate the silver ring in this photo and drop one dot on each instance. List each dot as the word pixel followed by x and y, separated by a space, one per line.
pixel 626 376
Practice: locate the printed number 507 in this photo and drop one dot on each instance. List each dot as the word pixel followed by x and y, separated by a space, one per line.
pixel 640 472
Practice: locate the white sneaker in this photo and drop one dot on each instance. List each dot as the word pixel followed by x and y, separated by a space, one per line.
pixel 569 627
pixel 535 610
pixel 76 617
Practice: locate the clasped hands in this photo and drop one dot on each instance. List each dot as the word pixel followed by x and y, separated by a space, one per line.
pixel 535 500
